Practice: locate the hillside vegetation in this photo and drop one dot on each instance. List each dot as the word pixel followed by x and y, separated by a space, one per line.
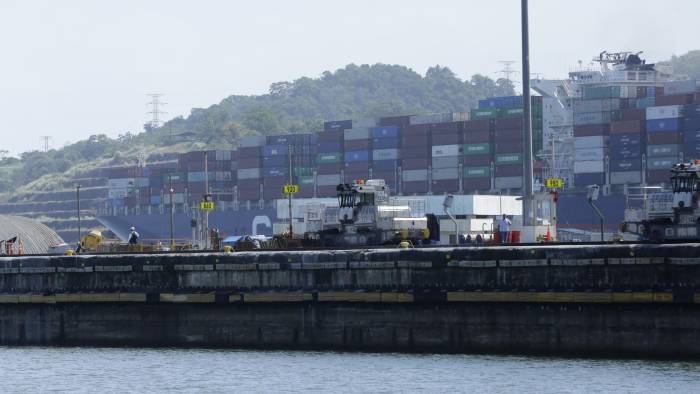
pixel 302 105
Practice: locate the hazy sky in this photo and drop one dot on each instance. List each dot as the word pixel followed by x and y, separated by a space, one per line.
pixel 74 68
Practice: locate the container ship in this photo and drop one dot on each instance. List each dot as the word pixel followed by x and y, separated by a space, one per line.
pixel 620 125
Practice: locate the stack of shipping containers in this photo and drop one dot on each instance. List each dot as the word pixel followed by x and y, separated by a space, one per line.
pixel 478 155
pixel 446 157
pixel 250 168
pixel 386 154
pixel 592 117
pixel 357 145
pixel 329 157
pixel 415 159
pixel 663 124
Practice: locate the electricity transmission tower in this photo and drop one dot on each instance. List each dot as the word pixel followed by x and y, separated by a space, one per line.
pixel 46 139
pixel 156 111
pixel 507 72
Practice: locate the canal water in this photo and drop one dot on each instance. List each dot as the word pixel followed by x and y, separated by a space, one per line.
pixel 110 370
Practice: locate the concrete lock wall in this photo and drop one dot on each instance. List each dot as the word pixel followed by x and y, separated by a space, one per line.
pixel 613 299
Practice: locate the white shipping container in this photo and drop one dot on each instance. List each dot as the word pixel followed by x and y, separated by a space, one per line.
pixel 385 154
pixel 445 162
pixel 121 183
pixel 328 180
pixel 589 154
pixel 178 198
pixel 441 174
pixel 508 182
pixel 249 173
pixel 361 133
pixel 591 118
pixel 415 175
pixel 252 141
pixel 445 150
pixel 664 112
pixel 596 141
pixel 680 87
pixel 588 167
pixel 364 123
pixel 623 177
pixel 117 193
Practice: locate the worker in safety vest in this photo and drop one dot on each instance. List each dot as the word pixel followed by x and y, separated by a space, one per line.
pixel 504 228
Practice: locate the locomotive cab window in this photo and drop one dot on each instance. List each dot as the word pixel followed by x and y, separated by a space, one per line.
pixel 684 184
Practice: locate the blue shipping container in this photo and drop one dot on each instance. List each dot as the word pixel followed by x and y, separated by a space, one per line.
pixel 626 165
pixel 691 136
pixel 596 178
pixel 155 200
pixel 651 91
pixel 275 150
pixel 631 139
pixel 385 165
pixel 691 111
pixel 276 171
pixel 385 143
pixel 501 102
pixel 625 152
pixel 643 102
pixel 275 161
pixel 329 147
pixel 691 124
pixel 337 125
pixel 356 155
pixel 669 124
pixel 385 132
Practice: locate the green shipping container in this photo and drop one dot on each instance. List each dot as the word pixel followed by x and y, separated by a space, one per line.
pixel 486 113
pixel 477 149
pixel 303 171
pixel 508 159
pixel 596 92
pixel 306 181
pixel 477 172
pixel 328 158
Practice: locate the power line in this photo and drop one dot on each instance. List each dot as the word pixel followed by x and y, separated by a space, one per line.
pixel 155 111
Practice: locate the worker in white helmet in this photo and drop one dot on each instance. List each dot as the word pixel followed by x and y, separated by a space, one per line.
pixel 133 237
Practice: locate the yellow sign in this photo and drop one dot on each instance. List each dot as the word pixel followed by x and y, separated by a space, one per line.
pixel 206 205
pixel 291 189
pixel 554 183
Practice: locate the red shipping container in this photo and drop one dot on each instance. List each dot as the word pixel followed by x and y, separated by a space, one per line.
pixel 656 177
pixel 326 169
pixel 415 142
pixel 633 114
pixel 512 170
pixel 678 99
pixel 326 191
pixel 472 184
pixel 477 125
pixel 254 162
pixel 357 144
pixel 416 130
pixel 446 139
pixel 509 146
pixel 330 136
pixel 356 167
pixel 663 137
pixel 473 137
pixel 627 126
pixel 415 164
pixel 509 124
pixel 401 121
pixel 445 186
pixel 416 187
pixel 590 130
pixel 508 135
pixel 476 160
pixel 446 128
pixel 416 153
